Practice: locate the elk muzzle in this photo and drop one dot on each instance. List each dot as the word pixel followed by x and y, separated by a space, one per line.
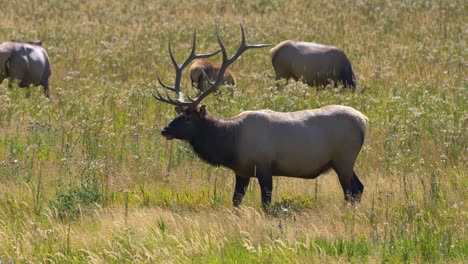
pixel 165 133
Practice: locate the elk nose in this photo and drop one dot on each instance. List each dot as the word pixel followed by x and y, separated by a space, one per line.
pixel 165 133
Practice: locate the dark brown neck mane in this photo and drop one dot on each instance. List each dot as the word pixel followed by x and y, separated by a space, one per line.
pixel 215 141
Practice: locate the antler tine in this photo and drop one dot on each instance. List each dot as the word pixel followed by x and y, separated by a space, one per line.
pixel 178 70
pixel 243 46
pixel 221 44
pixel 176 65
pixel 160 98
pixel 194 55
pixel 169 99
pixel 170 88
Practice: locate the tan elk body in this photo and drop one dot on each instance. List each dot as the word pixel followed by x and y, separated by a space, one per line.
pixel 265 143
pixel 313 63
pixel 26 62
pixel 202 71
pixel 298 144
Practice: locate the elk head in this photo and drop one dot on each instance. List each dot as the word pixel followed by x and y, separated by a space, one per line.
pixel 188 123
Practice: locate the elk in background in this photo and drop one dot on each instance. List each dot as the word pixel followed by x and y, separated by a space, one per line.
pixel 202 71
pixel 314 64
pixel 25 62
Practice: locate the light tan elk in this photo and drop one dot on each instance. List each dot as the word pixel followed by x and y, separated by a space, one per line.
pixel 265 143
pixel 202 71
pixel 314 64
pixel 25 62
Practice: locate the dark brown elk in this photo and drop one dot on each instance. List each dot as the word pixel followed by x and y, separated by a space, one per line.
pixel 202 71
pixel 265 143
pixel 314 64
pixel 25 62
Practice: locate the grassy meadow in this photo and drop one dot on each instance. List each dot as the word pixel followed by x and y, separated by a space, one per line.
pixel 86 177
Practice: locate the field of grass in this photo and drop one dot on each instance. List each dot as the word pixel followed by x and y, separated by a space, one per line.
pixel 86 176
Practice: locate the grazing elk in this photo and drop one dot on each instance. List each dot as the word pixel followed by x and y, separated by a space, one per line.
pixel 315 64
pixel 265 143
pixel 25 62
pixel 202 71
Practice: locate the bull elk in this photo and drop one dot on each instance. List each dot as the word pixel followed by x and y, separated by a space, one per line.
pixel 25 62
pixel 313 63
pixel 266 143
pixel 202 71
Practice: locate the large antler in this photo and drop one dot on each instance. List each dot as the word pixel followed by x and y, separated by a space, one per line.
pixel 179 68
pixel 213 84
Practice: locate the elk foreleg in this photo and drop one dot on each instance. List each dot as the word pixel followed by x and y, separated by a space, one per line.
pixel 239 191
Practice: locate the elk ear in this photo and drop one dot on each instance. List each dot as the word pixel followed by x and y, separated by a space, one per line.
pixel 178 109
pixel 202 111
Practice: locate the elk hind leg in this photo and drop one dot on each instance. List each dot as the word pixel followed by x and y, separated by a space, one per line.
pixel 358 184
pixel 265 179
pixel 239 190
pixel 352 186
pixel 45 84
pixel 46 91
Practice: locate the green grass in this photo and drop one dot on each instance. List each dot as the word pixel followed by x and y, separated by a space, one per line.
pixel 86 176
